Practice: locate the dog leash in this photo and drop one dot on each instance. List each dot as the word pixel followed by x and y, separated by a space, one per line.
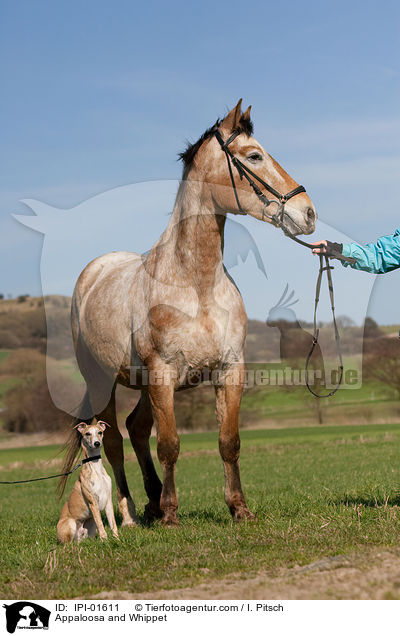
pixel 26 481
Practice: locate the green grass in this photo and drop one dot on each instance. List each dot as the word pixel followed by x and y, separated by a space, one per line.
pixel 294 405
pixel 5 383
pixel 3 354
pixel 387 329
pixel 316 492
pixel 291 406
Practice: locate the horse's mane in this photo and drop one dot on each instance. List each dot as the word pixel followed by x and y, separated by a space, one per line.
pixel 188 155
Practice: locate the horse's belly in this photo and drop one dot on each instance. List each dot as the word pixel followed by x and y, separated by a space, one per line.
pixel 208 340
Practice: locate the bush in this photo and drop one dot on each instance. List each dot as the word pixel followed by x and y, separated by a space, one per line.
pixel 382 362
pixel 28 327
pixel 26 363
pixel 22 298
pixel 371 328
pixel 9 340
pixel 29 408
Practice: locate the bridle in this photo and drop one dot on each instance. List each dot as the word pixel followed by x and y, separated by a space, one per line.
pixel 280 199
pixel 245 172
pixel 277 218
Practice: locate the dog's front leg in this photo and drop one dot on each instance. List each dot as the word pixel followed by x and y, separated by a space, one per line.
pixel 111 518
pixel 98 520
pixel 94 509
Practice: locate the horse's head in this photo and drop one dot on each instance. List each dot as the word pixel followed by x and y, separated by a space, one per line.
pixel 210 163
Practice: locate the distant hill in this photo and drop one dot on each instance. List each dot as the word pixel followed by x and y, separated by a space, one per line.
pixel 26 405
pixel 23 324
pixel 23 321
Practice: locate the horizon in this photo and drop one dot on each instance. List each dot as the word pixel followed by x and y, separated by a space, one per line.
pixel 322 323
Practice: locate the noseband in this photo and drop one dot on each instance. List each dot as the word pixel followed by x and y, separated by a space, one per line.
pixel 277 219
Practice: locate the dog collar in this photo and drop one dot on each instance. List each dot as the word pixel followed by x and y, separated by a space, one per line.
pixel 90 459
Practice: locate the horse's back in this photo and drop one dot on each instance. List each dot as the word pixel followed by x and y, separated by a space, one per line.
pixel 100 267
pixel 101 316
pixel 103 285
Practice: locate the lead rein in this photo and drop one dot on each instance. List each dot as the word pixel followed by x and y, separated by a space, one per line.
pixel 327 268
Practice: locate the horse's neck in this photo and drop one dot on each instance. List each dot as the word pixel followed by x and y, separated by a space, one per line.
pixel 192 244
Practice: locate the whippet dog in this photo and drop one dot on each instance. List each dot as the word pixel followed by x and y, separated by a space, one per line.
pixel 91 493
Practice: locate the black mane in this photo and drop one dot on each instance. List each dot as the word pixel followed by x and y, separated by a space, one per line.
pixel 245 126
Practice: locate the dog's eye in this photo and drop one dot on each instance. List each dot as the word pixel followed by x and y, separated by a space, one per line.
pixel 87 434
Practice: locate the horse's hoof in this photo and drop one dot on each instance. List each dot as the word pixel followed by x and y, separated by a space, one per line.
pixel 152 512
pixel 243 514
pixel 170 520
pixel 129 523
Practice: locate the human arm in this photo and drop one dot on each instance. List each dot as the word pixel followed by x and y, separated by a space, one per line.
pixel 377 258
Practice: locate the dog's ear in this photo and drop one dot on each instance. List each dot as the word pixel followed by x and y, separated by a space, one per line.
pixel 102 425
pixel 81 427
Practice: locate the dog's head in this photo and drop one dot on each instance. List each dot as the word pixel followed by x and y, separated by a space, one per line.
pixel 92 434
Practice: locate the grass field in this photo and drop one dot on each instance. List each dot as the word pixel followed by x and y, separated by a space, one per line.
pixel 317 492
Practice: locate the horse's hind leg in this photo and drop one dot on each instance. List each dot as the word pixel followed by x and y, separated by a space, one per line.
pixel 228 398
pixel 139 424
pixel 113 446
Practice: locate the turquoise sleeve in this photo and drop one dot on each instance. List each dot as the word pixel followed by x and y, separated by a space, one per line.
pixel 378 258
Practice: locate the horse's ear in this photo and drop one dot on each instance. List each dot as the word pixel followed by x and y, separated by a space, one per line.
pixel 246 114
pixel 231 121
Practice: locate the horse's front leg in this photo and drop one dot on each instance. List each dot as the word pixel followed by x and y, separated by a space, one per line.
pixel 228 397
pixel 161 394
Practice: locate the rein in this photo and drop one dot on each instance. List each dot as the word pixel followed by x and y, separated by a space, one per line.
pixel 327 268
pixel 277 219
pixel 26 481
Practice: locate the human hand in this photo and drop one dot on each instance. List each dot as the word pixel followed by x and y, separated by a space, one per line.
pixel 320 247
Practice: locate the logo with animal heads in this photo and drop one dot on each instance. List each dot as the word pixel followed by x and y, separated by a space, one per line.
pixel 26 615
pixel 75 236
pixel 295 342
pixel 281 311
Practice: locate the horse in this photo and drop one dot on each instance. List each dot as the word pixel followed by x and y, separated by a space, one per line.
pixel 175 310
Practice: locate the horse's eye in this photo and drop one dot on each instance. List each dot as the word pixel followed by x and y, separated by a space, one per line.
pixel 254 157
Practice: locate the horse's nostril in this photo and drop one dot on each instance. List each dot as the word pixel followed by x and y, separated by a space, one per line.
pixel 310 215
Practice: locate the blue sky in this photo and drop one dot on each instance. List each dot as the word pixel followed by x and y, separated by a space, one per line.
pixel 97 95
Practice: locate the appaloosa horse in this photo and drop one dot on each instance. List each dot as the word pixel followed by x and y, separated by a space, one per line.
pixel 175 309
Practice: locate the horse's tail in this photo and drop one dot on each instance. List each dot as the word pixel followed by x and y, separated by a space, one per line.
pixel 71 448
